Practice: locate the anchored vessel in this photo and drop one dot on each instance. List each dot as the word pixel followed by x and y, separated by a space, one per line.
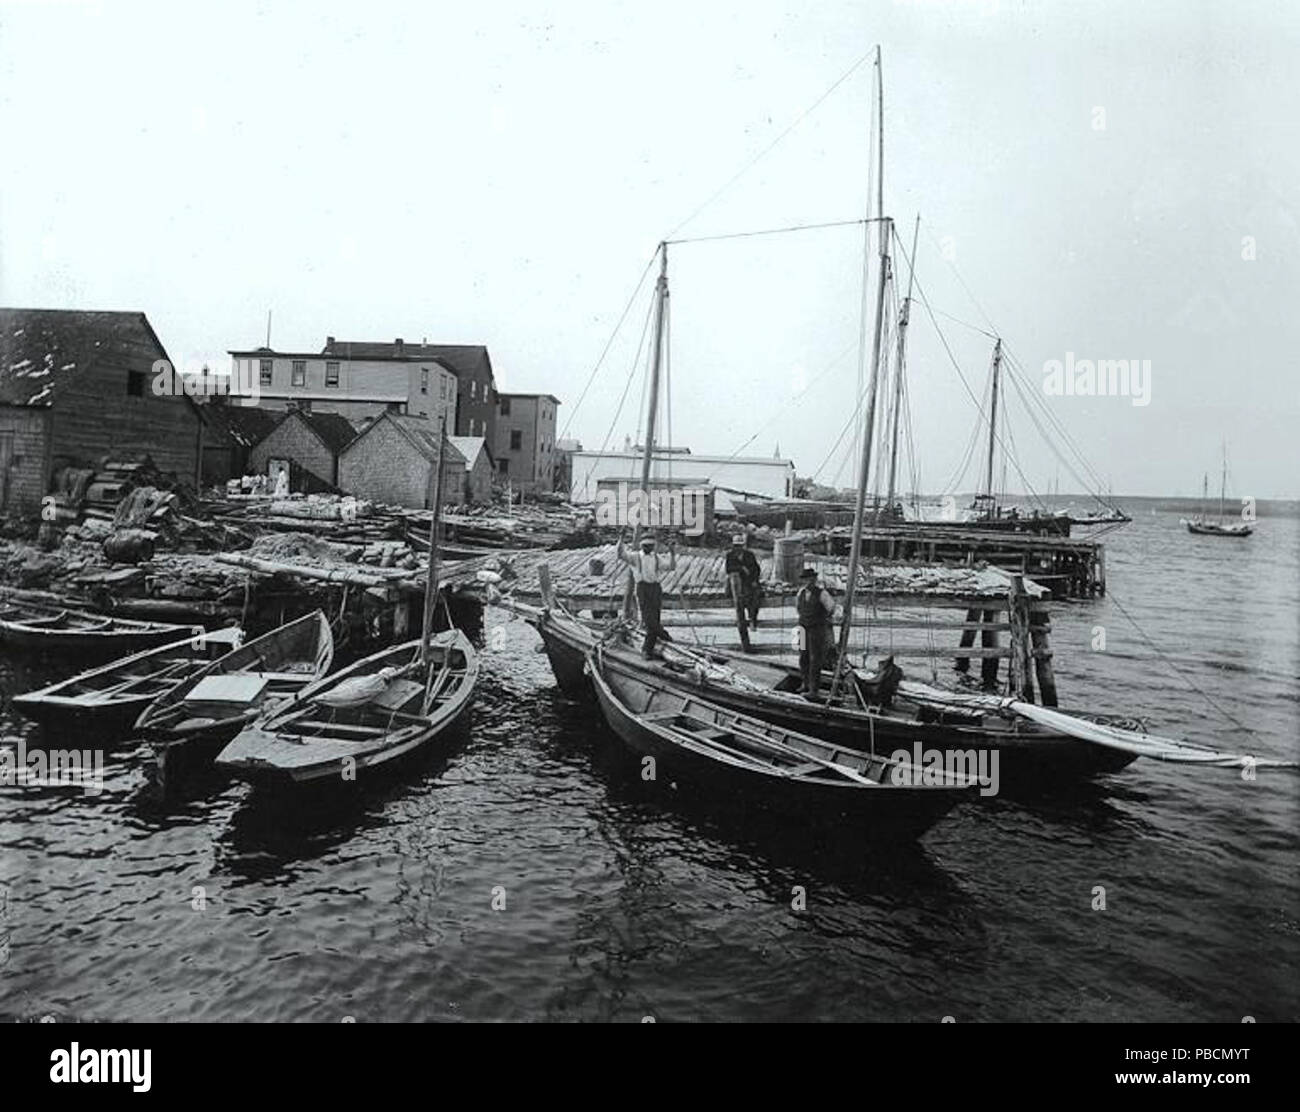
pixel 746 761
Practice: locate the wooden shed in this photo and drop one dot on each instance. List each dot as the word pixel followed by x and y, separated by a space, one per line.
pixel 392 462
pixel 479 467
pixel 307 445
pixel 78 387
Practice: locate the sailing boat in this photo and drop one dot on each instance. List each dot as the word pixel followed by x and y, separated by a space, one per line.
pixel 858 713
pixel 381 709
pixel 1202 526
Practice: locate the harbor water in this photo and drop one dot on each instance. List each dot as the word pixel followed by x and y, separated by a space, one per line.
pixel 525 872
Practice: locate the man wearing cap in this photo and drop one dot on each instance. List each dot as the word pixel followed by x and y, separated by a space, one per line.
pixel 743 576
pixel 646 566
pixel 815 608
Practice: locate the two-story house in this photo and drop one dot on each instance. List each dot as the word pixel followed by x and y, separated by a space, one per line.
pixel 353 384
pixel 476 397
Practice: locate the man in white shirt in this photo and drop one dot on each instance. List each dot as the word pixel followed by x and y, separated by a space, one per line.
pixel 646 566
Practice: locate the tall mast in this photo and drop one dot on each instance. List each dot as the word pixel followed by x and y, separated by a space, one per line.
pixel 993 424
pixel 661 303
pixel 431 583
pixel 1223 480
pixel 885 229
pixel 903 314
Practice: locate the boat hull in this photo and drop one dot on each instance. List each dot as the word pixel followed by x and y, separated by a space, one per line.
pixel 896 811
pixel 1028 756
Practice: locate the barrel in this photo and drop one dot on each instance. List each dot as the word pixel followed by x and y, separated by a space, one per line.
pixel 787 559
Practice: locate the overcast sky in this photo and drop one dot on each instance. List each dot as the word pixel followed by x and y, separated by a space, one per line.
pixel 501 173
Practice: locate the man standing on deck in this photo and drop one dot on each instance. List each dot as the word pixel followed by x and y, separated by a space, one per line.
pixel 646 566
pixel 816 608
pixel 743 576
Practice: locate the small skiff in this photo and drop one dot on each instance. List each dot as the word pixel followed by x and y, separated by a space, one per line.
pixel 380 709
pixel 209 708
pixel 111 697
pixel 38 628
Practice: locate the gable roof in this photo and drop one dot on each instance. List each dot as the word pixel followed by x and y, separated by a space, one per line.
pixel 41 348
pixel 333 428
pixel 460 359
pixel 244 425
pixel 469 448
pixel 421 433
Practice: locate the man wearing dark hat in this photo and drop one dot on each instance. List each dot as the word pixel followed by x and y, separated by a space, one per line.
pixel 815 607
pixel 646 566
pixel 743 574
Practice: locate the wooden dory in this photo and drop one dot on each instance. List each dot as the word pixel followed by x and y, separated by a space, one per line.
pixel 736 759
pixel 378 710
pixel 205 711
pixel 111 697
pixel 50 629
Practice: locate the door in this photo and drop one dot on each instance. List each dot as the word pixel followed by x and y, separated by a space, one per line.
pixel 274 468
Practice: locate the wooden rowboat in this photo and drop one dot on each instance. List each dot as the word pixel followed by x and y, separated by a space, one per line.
pixel 380 709
pixel 111 697
pixel 209 708
pixel 741 761
pixel 34 627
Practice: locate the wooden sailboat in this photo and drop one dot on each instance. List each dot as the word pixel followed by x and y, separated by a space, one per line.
pixel 1201 526
pixel 111 697
pixel 746 762
pixel 42 628
pixel 381 709
pixel 857 713
pixel 201 714
pixel 857 716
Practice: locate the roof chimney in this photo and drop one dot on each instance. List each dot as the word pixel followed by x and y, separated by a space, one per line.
pixel 329 341
pixel 398 347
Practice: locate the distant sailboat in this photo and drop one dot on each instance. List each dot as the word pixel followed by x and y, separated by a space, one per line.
pixel 1202 526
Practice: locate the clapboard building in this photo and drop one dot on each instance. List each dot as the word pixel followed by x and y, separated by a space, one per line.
pixel 78 387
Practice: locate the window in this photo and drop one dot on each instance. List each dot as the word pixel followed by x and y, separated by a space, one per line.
pixel 424 380
pixel 264 371
pixel 300 372
pixel 331 374
pixel 473 390
pixel 505 407
pixel 516 440
pixel 135 383
pixel 503 466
